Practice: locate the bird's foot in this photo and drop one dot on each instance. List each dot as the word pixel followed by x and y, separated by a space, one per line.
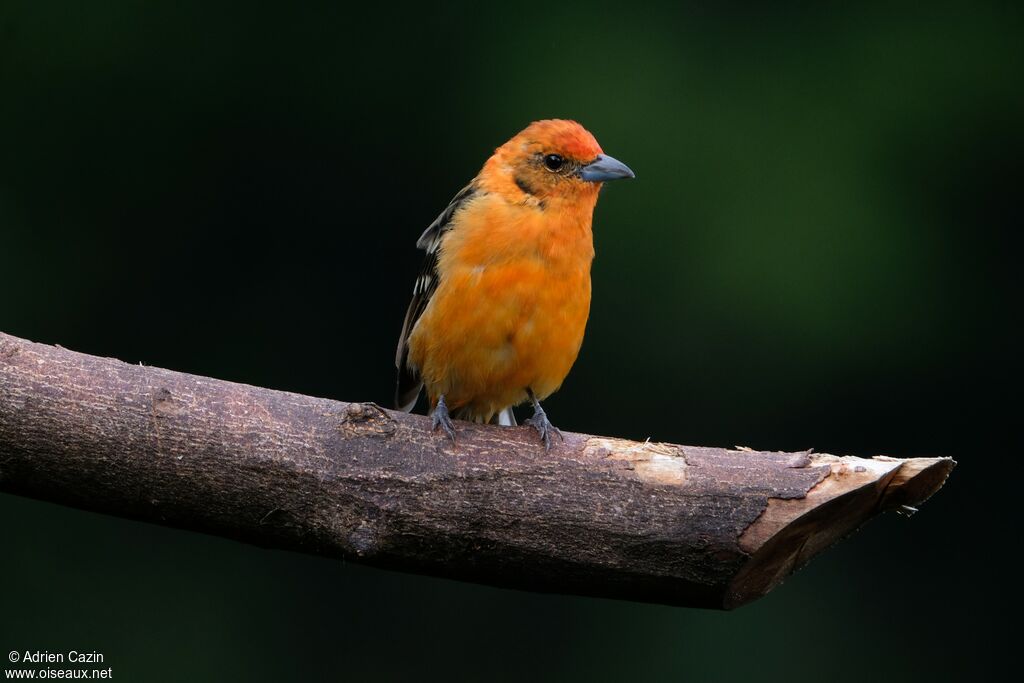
pixel 542 424
pixel 442 419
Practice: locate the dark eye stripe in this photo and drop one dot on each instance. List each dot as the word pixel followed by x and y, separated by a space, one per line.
pixel 523 185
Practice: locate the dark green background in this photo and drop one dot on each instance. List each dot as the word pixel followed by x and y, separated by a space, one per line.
pixel 820 250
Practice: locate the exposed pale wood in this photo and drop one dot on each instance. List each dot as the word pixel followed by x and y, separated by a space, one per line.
pixel 601 516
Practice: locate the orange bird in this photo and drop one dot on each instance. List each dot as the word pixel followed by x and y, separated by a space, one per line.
pixel 499 309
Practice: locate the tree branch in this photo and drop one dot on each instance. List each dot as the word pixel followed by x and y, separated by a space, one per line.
pixel 600 516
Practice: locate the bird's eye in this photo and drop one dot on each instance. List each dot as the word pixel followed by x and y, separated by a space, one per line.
pixel 553 161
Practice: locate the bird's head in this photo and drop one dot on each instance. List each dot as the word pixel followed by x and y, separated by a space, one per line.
pixel 552 159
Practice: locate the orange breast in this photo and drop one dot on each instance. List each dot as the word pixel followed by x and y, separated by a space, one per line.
pixel 511 306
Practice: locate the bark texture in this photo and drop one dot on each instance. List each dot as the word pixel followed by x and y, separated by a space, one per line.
pixel 682 525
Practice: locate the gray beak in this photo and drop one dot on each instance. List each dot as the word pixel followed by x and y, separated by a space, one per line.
pixel 605 168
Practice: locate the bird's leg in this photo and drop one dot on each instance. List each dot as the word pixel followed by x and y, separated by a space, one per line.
pixel 441 418
pixel 540 422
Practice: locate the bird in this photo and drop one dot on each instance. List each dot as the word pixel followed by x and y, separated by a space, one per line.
pixel 501 303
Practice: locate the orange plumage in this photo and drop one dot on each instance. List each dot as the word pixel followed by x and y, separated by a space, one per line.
pixel 500 308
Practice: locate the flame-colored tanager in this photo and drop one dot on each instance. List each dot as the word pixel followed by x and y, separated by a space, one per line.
pixel 499 309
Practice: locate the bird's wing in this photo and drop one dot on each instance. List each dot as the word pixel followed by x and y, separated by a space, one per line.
pixel 409 383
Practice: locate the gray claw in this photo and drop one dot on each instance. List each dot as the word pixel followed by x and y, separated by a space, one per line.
pixel 543 425
pixel 441 419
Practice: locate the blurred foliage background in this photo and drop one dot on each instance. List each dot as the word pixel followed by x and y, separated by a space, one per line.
pixel 820 250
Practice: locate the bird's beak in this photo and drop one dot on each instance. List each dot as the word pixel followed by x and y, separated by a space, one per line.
pixel 605 168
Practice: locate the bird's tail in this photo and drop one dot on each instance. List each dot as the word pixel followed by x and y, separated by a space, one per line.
pixel 505 418
pixel 407 390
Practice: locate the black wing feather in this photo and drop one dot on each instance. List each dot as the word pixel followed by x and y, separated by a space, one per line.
pixel 409 382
